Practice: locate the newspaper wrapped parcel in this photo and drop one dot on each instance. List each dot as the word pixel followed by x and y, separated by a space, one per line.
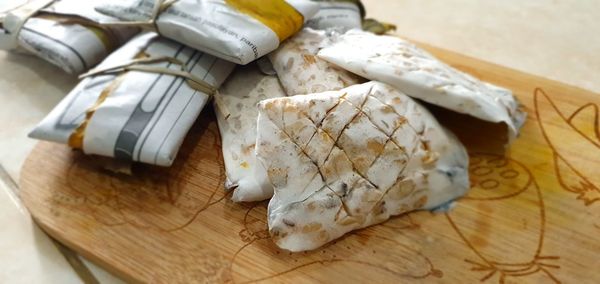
pixel 65 33
pixel 141 110
pixel 239 31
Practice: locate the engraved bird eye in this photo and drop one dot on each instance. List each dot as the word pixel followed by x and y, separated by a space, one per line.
pixel 481 171
pixel 475 160
pixel 489 184
pixel 498 162
pixel 509 174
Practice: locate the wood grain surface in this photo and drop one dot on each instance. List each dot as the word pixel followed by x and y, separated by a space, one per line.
pixel 532 215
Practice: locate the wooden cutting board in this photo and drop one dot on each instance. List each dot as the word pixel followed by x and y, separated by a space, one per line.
pixel 532 216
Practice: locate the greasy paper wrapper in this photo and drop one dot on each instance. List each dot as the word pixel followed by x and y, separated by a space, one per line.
pixel 299 69
pixel 420 75
pixel 344 160
pixel 343 15
pixel 146 115
pixel 215 26
pixel 235 106
pixel 65 35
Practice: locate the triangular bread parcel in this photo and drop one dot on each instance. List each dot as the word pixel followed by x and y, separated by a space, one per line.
pixel 344 160
pixel 417 73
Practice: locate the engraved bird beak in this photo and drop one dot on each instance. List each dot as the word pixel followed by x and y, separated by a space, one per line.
pixel 569 137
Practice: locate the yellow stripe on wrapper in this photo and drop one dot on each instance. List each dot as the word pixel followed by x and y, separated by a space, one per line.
pixel 136 64
pixel 278 15
pixel 76 138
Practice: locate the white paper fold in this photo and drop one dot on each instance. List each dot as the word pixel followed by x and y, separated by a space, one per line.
pixel 299 69
pixel 235 106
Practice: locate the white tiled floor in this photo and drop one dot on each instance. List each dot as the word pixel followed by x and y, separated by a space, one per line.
pixel 28 255
pixel 29 88
pixel 555 39
pixel 559 40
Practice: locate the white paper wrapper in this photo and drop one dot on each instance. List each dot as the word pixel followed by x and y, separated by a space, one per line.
pixel 301 72
pixel 145 116
pixel 418 74
pixel 235 105
pixel 214 26
pixel 336 14
pixel 344 160
pixel 64 34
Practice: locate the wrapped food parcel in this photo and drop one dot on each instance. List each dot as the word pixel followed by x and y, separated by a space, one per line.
pixel 65 33
pixel 236 108
pixel 344 160
pixel 341 14
pixel 419 74
pixel 239 31
pixel 139 103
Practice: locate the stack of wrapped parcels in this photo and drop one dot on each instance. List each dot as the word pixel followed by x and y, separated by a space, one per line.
pixel 330 126
pixel 66 33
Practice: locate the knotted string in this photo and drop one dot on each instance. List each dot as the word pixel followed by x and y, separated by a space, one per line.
pixel 142 65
